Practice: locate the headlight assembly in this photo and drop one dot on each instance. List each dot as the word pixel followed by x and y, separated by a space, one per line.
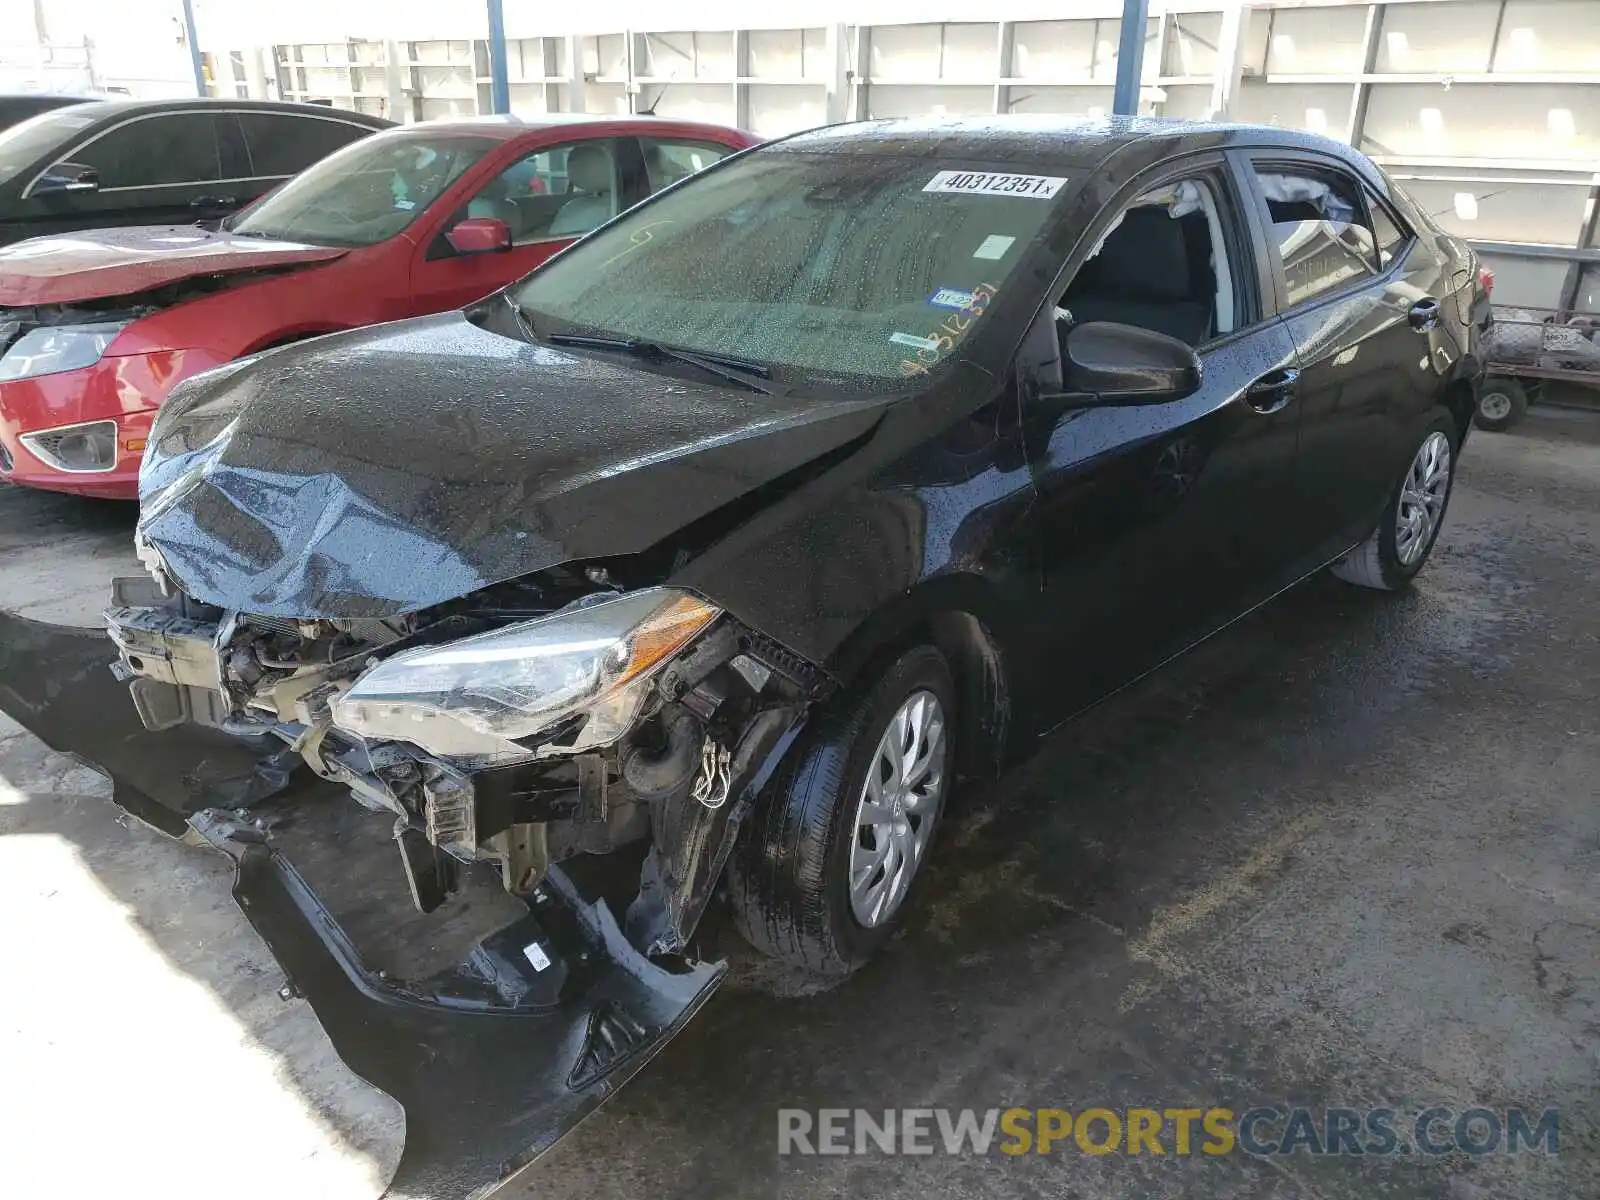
pixel 53 348
pixel 471 697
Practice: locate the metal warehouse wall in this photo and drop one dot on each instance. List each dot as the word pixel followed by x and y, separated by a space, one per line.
pixel 1487 110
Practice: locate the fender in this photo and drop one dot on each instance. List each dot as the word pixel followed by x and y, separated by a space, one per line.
pixel 981 632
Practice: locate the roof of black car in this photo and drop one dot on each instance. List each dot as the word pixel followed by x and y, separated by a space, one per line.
pixel 97 110
pixel 1045 140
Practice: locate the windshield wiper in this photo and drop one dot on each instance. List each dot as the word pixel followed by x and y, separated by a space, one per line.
pixel 734 370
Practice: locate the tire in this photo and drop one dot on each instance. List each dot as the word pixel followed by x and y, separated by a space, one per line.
pixel 1503 403
pixel 1382 562
pixel 790 874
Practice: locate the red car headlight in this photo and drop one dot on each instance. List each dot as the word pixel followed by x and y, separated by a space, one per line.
pixel 52 348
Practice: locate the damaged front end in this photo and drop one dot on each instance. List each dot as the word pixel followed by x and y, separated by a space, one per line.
pixel 426 565
pixel 519 727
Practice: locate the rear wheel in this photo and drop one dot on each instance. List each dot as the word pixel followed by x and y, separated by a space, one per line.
pixel 1399 547
pixel 833 848
pixel 1501 404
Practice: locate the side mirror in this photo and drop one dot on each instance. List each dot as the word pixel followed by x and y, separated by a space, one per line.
pixel 68 177
pixel 1108 363
pixel 479 235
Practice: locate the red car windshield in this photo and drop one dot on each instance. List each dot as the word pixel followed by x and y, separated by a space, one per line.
pixel 365 193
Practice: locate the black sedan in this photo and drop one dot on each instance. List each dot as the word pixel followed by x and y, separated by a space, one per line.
pixel 737 534
pixel 157 162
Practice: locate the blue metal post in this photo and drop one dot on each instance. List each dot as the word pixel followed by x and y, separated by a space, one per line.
pixel 195 61
pixel 499 82
pixel 1130 57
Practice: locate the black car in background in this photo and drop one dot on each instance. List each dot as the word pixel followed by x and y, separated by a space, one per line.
pixel 14 109
pixel 158 162
pixel 736 533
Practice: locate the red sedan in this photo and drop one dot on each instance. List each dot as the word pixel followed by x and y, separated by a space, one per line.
pixel 97 327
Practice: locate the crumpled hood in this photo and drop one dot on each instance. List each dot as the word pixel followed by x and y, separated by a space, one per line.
pixel 95 263
pixel 388 469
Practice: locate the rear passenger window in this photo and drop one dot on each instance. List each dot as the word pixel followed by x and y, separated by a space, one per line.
pixel 1392 239
pixel 284 145
pixel 1320 229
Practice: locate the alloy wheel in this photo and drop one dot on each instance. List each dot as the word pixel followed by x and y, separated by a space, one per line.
pixel 1422 497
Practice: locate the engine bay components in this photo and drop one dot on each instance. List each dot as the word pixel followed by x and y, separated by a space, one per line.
pixel 581 1001
pixel 518 727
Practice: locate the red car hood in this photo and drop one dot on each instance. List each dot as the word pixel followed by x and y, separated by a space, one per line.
pixel 118 262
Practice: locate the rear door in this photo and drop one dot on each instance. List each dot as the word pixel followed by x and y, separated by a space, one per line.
pixel 1362 315
pixel 156 169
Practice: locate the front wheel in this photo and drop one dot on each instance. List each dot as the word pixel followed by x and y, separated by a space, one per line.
pixel 824 867
pixel 1399 547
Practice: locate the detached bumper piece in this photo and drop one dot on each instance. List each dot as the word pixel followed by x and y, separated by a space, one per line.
pixel 493 1060
pixel 57 682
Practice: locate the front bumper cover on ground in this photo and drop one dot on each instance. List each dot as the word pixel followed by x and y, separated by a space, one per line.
pixel 493 1059
pixel 490 1075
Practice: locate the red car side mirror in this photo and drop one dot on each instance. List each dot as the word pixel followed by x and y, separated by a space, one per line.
pixel 479 235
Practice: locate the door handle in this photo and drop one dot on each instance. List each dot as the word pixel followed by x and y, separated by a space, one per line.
pixel 1272 391
pixel 1424 314
pixel 213 201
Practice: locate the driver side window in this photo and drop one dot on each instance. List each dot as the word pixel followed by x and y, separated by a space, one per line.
pixel 164 150
pixel 1164 265
pixel 557 192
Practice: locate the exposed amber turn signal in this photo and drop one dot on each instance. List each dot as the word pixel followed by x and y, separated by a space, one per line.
pixel 665 632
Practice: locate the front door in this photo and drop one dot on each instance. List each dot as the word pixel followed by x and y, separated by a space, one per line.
pixel 1157 523
pixel 162 169
pixel 547 199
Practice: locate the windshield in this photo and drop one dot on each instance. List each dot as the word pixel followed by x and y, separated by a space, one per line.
pixel 365 193
pixel 28 141
pixel 853 264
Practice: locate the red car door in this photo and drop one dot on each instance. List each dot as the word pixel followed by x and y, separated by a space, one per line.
pixel 547 198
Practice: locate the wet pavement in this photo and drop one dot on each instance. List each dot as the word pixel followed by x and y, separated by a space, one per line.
pixel 1347 854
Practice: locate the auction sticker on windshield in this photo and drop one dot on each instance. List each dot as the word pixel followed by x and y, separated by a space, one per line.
pixel 988 183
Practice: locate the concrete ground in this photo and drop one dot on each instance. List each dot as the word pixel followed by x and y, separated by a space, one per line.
pixel 1345 855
